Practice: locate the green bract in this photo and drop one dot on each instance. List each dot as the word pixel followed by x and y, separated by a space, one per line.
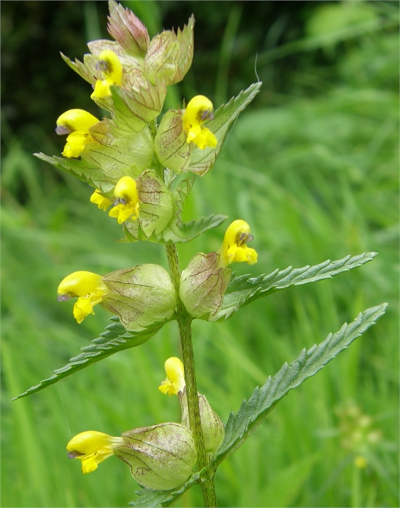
pixel 211 424
pixel 203 284
pixel 170 142
pixel 161 457
pixel 140 296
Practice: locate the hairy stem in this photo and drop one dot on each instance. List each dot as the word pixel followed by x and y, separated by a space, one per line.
pixel 185 330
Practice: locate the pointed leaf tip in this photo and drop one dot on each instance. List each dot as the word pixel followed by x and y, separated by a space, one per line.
pixel 118 339
pixel 307 364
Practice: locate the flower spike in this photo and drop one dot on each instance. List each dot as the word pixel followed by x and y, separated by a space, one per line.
pixel 111 68
pixel 198 110
pixel 127 203
pixel 76 123
pixel 91 448
pixel 234 247
pixel 88 287
pixel 175 382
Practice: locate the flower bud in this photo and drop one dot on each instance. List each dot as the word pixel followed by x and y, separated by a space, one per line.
pixel 169 55
pixel 162 57
pixel 128 30
pixel 140 296
pixel 203 284
pixel 161 457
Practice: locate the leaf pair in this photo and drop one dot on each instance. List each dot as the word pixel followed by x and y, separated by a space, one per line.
pixel 241 291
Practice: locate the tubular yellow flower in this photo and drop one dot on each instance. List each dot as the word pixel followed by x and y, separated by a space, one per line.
pixel 91 448
pixel 111 68
pixel 76 123
pixel 127 203
pixel 175 381
pixel 99 200
pixel 88 287
pixel 198 110
pixel 234 247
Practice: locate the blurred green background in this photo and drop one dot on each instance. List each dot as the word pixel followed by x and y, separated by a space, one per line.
pixel 312 165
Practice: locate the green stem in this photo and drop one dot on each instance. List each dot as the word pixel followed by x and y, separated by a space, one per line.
pixel 185 330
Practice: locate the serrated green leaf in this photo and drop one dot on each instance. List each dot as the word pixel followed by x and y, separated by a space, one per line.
pixel 307 364
pixel 201 161
pixel 245 289
pixel 83 170
pixel 114 339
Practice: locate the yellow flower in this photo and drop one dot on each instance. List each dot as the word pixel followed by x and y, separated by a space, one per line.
pixel 127 203
pixel 99 200
pixel 91 448
pixel 234 247
pixel 111 69
pixel 88 287
pixel 175 381
pixel 197 111
pixel 76 123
